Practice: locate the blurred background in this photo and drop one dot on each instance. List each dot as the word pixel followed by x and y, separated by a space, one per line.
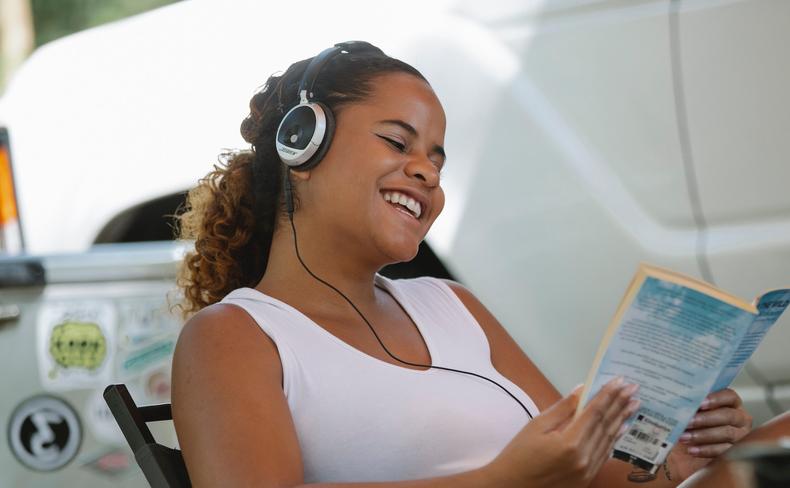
pixel 28 24
pixel 584 136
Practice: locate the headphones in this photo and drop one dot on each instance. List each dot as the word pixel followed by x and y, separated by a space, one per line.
pixel 306 131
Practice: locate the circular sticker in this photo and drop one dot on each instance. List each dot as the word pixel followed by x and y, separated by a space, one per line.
pixel 44 433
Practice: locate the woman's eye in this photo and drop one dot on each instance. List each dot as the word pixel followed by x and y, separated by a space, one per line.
pixel 397 145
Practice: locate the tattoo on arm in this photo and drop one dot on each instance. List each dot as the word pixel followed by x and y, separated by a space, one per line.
pixel 639 475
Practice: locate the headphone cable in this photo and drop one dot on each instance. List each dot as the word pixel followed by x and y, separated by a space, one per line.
pixel 299 257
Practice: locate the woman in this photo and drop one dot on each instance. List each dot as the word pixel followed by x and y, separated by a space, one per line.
pixel 303 365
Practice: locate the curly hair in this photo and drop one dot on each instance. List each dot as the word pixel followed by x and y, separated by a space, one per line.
pixel 232 213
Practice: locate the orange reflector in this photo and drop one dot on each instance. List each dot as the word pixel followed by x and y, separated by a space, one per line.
pixel 10 232
pixel 8 213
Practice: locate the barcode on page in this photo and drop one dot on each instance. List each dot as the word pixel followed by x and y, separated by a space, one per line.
pixel 644 437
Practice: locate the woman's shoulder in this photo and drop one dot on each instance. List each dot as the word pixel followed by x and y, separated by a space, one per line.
pixel 218 330
pixel 223 364
pixel 216 319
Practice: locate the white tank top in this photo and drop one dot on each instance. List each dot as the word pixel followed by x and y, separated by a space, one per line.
pixel 358 418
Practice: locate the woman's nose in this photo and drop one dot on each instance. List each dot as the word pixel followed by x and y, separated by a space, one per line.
pixel 423 169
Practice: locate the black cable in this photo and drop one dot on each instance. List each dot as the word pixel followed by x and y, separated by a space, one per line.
pixel 299 257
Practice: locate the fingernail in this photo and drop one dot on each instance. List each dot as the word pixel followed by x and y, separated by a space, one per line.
pixel 685 438
pixel 618 381
pixel 633 406
pixel 693 450
pixel 622 430
pixel 705 404
pixel 631 389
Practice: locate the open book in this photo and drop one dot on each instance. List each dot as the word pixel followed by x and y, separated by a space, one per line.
pixel 679 339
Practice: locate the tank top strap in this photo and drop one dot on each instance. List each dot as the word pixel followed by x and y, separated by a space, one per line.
pixel 278 321
pixel 445 322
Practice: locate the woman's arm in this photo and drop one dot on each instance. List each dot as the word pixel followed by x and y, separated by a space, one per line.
pixel 232 420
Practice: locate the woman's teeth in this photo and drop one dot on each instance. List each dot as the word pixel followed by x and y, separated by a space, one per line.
pixel 399 198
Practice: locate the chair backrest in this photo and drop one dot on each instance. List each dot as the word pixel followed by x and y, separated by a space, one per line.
pixel 162 466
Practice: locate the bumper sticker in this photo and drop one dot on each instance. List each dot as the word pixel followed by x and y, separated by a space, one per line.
pixel 44 433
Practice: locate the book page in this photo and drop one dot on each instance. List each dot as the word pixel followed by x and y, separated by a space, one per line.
pixel 673 341
pixel 770 307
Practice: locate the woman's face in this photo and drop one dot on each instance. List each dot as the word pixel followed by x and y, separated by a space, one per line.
pixel 377 190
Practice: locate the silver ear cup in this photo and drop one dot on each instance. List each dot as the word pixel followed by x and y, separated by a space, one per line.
pixel 300 134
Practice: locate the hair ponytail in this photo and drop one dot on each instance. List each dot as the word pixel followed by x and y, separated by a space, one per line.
pixel 220 217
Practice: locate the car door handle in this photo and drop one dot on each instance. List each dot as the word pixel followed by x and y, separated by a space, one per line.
pixel 8 314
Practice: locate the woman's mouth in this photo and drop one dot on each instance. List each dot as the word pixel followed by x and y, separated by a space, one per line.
pixel 403 203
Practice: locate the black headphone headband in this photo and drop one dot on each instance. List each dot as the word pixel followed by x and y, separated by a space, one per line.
pixel 318 62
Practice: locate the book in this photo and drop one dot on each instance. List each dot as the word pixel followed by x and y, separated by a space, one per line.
pixel 680 339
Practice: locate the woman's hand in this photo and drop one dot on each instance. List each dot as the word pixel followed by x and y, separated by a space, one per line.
pixel 719 423
pixel 556 449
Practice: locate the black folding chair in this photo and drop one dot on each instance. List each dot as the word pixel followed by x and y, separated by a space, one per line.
pixel 162 466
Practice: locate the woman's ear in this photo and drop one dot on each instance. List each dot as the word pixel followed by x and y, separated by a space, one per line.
pixel 301 175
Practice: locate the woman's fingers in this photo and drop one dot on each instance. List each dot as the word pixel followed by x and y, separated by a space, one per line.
pixel 597 428
pixel 603 410
pixel 619 411
pixel 560 413
pixel 722 398
pixel 709 450
pixel 714 435
pixel 720 416
pixel 717 425
pixel 612 432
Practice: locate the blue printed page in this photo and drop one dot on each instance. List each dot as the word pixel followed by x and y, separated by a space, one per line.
pixel 673 341
pixel 770 307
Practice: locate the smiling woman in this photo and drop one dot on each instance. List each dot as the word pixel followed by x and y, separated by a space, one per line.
pixel 300 363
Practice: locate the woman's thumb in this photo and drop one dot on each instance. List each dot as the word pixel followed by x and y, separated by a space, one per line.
pixel 561 412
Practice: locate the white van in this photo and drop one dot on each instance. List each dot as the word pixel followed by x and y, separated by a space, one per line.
pixel 583 137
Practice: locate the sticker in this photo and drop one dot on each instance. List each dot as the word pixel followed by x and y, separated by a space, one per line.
pixel 44 433
pixel 646 439
pixel 111 463
pixel 76 344
pixel 143 322
pixel 100 421
pixel 142 360
pixel 157 386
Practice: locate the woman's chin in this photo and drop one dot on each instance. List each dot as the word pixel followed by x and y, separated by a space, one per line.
pixel 401 252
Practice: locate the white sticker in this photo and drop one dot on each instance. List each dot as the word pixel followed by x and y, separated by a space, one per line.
pixel 101 422
pixel 143 322
pixel 44 433
pixel 646 438
pixel 76 344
